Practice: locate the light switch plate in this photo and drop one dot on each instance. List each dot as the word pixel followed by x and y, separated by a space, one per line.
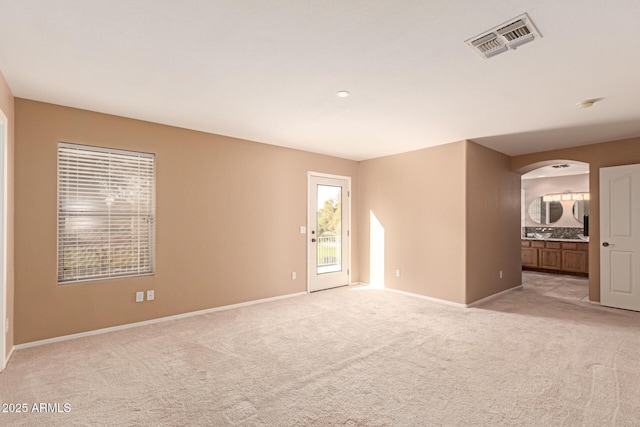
pixel 139 296
pixel 303 229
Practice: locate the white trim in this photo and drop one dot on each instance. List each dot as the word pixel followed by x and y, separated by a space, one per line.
pixel 455 304
pixel 490 297
pixel 4 128
pixel 328 175
pixel 152 321
pixel 441 301
pixel 10 354
pixel 308 240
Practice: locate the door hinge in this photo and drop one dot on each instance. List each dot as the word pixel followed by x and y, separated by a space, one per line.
pixel 348 233
pixel 348 272
pixel 348 193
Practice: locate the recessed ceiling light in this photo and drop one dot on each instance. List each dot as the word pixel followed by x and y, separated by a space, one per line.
pixel 586 103
pixel 343 93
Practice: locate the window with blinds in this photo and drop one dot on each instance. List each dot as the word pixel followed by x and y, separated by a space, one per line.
pixel 106 213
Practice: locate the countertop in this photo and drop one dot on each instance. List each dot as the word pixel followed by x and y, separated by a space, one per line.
pixel 551 239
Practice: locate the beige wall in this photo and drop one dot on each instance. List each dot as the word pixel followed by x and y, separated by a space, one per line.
pixel 418 198
pixel 493 224
pixel 7 107
pixel 227 213
pixel 606 154
pixel 451 218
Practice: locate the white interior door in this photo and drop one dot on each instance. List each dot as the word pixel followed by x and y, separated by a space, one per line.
pixel 620 237
pixel 328 231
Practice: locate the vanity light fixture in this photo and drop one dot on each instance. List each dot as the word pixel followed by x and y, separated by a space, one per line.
pixel 567 195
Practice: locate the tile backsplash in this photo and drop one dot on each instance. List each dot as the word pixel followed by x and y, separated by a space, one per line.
pixel 556 232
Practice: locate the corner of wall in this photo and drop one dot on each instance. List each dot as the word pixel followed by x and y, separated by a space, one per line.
pixel 493 223
pixel 414 203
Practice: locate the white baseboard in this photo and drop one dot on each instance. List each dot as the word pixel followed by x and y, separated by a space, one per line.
pixel 149 322
pixel 441 301
pixel 6 359
pixel 490 297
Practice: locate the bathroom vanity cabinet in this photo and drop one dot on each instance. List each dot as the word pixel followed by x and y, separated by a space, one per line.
pixel 556 256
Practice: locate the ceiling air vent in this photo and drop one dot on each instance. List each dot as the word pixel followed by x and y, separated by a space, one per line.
pixel 509 35
pixel 489 45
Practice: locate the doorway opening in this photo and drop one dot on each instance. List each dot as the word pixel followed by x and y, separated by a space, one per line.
pixel 555 200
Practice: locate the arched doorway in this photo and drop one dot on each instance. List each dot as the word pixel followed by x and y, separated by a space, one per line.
pixel 555 198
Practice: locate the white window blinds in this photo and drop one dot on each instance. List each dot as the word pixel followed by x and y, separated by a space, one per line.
pixel 106 213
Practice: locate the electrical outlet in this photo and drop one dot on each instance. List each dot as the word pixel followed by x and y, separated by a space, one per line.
pixel 398 273
pixel 501 274
pixel 139 296
pixel 293 275
pixel 151 295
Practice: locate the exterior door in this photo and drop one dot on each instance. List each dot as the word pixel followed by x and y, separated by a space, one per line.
pixel 620 237
pixel 328 232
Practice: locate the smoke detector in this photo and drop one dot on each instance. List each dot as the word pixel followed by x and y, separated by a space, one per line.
pixel 510 35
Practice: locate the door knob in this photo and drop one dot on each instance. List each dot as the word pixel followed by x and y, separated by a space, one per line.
pixel 313 240
pixel 605 244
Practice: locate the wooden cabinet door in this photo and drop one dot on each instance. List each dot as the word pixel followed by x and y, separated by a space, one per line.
pixel 530 257
pixel 551 259
pixel 574 261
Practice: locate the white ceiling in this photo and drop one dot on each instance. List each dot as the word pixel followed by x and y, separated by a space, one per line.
pixel 268 71
pixel 552 171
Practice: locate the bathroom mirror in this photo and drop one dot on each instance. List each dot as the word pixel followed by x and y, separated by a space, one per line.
pixel 544 213
pixel 580 209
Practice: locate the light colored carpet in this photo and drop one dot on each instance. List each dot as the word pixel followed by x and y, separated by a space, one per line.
pixel 350 357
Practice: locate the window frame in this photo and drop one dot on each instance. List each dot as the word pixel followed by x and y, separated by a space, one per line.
pixel 148 215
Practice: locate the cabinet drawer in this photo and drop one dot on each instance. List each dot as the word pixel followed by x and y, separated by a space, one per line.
pixel 537 244
pixel 525 243
pixel 554 245
pixel 571 246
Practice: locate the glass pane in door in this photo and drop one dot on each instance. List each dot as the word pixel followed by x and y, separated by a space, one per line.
pixel 329 226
